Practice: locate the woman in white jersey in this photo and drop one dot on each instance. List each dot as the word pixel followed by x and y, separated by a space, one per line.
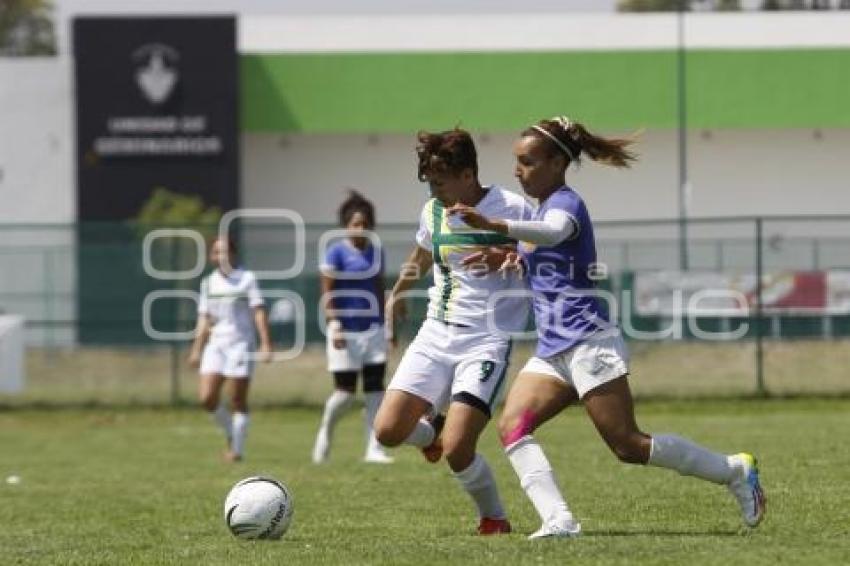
pixel 352 278
pixel 230 310
pixel 460 354
pixel 580 354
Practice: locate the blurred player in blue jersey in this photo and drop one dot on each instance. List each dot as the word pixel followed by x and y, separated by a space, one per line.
pixel 580 354
pixel 352 278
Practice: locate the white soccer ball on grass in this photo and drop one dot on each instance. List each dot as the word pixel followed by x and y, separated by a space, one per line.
pixel 258 508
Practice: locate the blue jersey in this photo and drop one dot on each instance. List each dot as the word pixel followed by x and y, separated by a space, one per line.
pixel 566 311
pixel 358 295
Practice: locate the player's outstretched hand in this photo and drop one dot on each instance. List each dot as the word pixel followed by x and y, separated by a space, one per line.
pixel 471 216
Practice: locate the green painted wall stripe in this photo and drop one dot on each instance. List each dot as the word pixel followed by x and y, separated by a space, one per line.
pixel 361 93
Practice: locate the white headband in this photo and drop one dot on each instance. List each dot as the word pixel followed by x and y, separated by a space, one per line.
pixel 566 124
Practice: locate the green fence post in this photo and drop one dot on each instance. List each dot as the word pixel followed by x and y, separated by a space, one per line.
pixel 760 389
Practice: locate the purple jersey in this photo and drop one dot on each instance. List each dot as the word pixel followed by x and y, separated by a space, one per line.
pixel 357 292
pixel 566 311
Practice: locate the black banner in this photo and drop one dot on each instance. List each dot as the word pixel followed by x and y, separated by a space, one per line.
pixel 157 107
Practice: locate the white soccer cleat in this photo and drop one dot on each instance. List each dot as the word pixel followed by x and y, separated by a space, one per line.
pixel 377 456
pixel 564 528
pixel 747 489
pixel 322 448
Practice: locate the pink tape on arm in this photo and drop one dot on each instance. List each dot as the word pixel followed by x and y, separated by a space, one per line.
pixel 524 428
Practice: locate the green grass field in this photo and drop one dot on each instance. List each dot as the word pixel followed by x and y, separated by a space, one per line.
pixel 147 487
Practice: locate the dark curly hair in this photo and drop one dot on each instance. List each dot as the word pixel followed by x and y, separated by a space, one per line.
pixel 450 152
pixel 355 203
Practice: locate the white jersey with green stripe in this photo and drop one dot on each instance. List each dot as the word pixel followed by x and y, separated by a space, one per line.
pixel 229 301
pixel 493 301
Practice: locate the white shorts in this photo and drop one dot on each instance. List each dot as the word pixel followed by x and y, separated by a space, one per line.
pixel 587 366
pixel 230 359
pixel 449 362
pixel 366 348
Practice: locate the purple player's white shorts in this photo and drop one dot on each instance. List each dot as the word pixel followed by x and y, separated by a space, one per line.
pixel 598 360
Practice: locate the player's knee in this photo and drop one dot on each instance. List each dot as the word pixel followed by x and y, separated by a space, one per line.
pixel 387 433
pixel 209 401
pixel 629 451
pixel 513 426
pixel 458 455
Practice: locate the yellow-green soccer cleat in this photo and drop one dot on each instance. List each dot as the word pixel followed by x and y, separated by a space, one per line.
pixel 747 489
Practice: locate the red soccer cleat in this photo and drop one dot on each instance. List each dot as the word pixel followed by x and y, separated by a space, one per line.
pixel 434 451
pixel 489 526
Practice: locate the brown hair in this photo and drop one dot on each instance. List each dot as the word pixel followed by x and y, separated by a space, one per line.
pixel 575 139
pixel 355 203
pixel 229 241
pixel 450 152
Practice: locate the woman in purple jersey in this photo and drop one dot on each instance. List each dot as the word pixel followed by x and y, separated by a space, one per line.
pixel 352 279
pixel 580 354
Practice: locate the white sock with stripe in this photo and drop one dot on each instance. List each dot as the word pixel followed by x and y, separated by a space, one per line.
pixel 222 417
pixel 689 459
pixel 240 432
pixel 538 480
pixel 478 481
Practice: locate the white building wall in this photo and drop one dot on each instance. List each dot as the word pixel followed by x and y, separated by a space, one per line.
pixel 36 141
pixel 732 173
pixel 37 188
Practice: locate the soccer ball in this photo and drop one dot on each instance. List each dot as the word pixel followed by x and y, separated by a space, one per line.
pixel 258 508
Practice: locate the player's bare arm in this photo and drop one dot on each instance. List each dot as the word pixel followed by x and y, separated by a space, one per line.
pixel 202 334
pixel 261 321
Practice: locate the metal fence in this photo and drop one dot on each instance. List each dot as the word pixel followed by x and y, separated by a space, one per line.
pixel 85 292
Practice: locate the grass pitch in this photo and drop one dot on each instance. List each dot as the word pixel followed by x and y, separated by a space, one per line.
pixel 147 487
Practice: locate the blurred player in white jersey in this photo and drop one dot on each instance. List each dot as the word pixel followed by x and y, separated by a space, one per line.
pixel 231 314
pixel 353 301
pixel 460 354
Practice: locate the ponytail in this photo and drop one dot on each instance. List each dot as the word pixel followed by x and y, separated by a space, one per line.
pixel 573 139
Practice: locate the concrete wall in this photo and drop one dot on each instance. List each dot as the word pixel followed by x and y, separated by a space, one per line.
pixel 37 187
pixel 765 172
pixel 36 141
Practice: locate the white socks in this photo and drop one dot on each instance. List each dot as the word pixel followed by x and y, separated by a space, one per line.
pixel 373 401
pixel 537 479
pixel 689 459
pixel 478 482
pixel 240 431
pixel 222 417
pixel 336 406
pixel 422 436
